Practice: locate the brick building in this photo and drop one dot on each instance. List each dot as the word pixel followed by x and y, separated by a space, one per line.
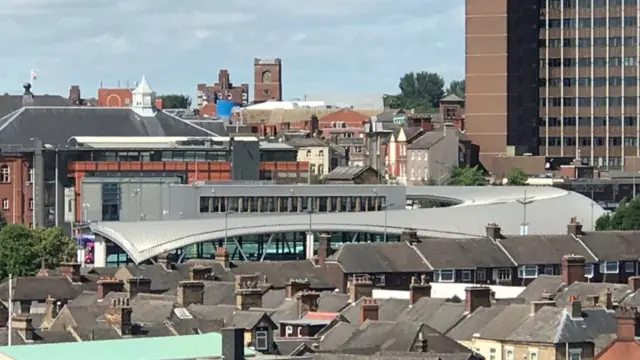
pixel 268 80
pixel 223 89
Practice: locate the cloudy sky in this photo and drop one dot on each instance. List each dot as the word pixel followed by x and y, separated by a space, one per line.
pixel 326 45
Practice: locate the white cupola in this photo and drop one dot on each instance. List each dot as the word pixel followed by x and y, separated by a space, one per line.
pixel 143 100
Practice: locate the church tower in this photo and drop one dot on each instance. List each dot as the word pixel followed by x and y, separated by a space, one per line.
pixel 143 100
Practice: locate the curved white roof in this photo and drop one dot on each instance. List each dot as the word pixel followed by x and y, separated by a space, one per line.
pixel 548 213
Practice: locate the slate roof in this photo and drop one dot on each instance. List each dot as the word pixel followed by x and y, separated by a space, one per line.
pixel 299 142
pixel 346 172
pixel 583 289
pixel 542 249
pixel 11 103
pixel 473 323
pixel 388 310
pixel 278 273
pixel 505 323
pixel 463 253
pixel 437 313
pixel 55 125
pixel 379 258
pixel 613 245
pixel 40 288
pixel 162 279
pixel 451 98
pixel 543 283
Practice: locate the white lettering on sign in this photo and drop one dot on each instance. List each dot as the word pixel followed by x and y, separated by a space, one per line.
pixel 288 331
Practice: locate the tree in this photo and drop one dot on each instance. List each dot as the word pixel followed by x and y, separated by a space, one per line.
pixel 457 87
pixel 517 177
pixel 23 250
pixel 625 217
pixel 175 101
pixel 466 176
pixel 418 90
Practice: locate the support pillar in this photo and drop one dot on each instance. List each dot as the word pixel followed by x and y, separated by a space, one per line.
pixel 100 252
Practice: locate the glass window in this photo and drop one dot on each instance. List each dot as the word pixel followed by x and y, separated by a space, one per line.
pixel 466 275
pixel 502 274
pixel 481 275
pixel 630 267
pixel 379 280
pixel 509 354
pixel 548 270
pixel 444 275
pixel 575 354
pixel 111 201
pixel 609 267
pixel 262 340
pixel 528 271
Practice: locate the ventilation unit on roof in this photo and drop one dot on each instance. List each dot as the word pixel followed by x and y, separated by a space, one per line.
pixel 182 313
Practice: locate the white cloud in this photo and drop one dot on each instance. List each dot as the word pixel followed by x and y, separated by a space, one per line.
pixel 354 44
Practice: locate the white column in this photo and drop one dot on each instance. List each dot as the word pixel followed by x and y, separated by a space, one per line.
pixel 309 247
pixel 99 252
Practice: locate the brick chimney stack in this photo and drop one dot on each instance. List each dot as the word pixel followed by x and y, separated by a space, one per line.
pixel 107 285
pixel 295 286
pixel 222 257
pixel 324 249
pixel 23 324
pixel 476 297
pixel 369 310
pixel 574 306
pixel 200 273
pixel 360 287
pixel 574 227
pixel 409 236
pixel 494 231
pixel 307 302
pixel 119 314
pixel 537 305
pixel 71 270
pixel 190 292
pixel 634 283
pixel 137 285
pixel 418 289
pixel 572 269
pixel 248 293
pixel 627 323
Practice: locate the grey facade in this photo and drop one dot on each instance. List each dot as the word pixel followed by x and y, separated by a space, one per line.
pixel 432 156
pixel 154 199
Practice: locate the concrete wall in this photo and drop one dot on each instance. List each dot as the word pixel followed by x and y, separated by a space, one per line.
pixel 158 199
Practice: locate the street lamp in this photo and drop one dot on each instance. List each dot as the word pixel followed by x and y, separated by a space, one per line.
pixel 524 227
pixel 385 207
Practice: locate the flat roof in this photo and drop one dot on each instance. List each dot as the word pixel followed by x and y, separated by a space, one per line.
pixel 151 348
pixel 548 211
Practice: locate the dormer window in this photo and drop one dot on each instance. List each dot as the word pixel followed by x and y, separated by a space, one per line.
pixel 450 112
pixel 261 340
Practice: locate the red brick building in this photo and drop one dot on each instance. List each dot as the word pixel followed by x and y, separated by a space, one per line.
pixel 268 80
pixel 223 89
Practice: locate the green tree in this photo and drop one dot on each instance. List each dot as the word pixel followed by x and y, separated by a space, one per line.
pixel 625 217
pixel 517 177
pixel 23 250
pixel 418 90
pixel 175 101
pixel 457 87
pixel 466 176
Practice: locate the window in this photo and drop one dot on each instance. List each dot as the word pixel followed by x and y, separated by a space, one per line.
pixel 321 153
pixel 588 271
pixel 111 202
pixel 508 354
pixel 492 354
pixel 262 340
pixel 466 275
pixel 30 204
pixel 481 275
pixel 609 267
pixel 379 280
pixel 30 175
pixel 444 275
pixel 528 271
pixel 630 267
pixel 502 274
pixel 548 270
pixel 5 174
pixel 266 76
pixel 308 153
pixel 575 354
pixel 5 204
pixel 533 354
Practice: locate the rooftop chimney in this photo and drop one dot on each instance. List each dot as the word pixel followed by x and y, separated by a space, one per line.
pixel 23 324
pixel 628 326
pixel 324 249
pixel 200 273
pixel 109 284
pixel 574 227
pixel 190 292
pixel 72 271
pixel 477 296
pixel 537 305
pixel 50 311
pixel 494 231
pixel 248 293
pixel 137 285
pixel 307 302
pixel 410 236
pixel 295 286
pixel 119 314
pixel 419 289
pixel 606 299
pixel 233 343
pixel 360 287
pixel 368 310
pixel 163 259
pixel 222 256
pixel 634 283
pixel 592 301
pixel 574 307
pixel 572 269
pixel 27 97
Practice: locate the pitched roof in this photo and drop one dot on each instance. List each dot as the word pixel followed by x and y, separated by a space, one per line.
pixel 11 103
pixel 278 273
pixel 543 283
pixel 346 115
pixel 505 322
pixel 55 125
pixel 543 249
pixel 40 288
pixel 379 258
pixel 473 323
pixel 347 172
pixel 463 253
pixel 451 98
pixel 613 245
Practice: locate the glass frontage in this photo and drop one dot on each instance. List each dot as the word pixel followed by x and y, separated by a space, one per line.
pixel 212 204
pixel 110 202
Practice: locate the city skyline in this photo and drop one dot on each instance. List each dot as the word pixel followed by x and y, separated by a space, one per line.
pixel 324 46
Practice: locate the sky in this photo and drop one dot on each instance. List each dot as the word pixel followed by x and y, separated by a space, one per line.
pixel 346 46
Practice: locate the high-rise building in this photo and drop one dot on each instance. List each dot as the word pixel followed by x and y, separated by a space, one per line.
pixel 587 78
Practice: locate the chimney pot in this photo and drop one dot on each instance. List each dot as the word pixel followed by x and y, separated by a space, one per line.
pixel 71 270
pixel 409 236
pixel 107 285
pixel 24 325
pixel 222 257
pixel 295 286
pixel 627 323
pixel 419 289
pixel 138 285
pixel 634 283
pixel 369 310
pixel 307 302
pixel 200 273
pixel 360 287
pixel 248 293
pixel 190 292
pixel 574 227
pixel 572 269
